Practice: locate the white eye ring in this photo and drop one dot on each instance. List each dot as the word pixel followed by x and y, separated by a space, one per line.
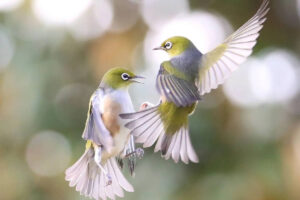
pixel 125 76
pixel 168 45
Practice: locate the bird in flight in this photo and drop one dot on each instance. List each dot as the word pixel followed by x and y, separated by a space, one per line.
pixel 97 174
pixel 182 80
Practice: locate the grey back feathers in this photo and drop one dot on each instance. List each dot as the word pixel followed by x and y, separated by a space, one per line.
pixel 188 62
pixel 176 90
pixel 182 92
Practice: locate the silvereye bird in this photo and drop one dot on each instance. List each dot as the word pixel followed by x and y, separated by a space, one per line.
pixel 181 82
pixel 96 174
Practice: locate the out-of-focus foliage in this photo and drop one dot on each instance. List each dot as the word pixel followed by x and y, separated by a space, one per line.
pixel 53 54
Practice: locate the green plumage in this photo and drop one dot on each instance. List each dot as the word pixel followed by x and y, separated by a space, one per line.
pixel 174 71
pixel 176 86
pixel 173 117
pixel 181 45
pixel 113 79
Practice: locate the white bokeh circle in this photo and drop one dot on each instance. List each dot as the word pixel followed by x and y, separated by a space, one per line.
pixel 268 78
pixel 204 29
pixel 94 22
pixel 8 5
pixel 157 13
pixel 48 153
pixel 6 49
pixel 57 12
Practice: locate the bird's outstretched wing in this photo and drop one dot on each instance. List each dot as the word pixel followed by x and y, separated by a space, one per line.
pixel 218 64
pixel 175 87
pixel 95 129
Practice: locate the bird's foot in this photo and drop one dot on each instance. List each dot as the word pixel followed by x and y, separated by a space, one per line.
pixel 139 152
pixel 145 105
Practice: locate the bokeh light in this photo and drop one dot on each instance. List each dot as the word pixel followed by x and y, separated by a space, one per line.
pixel 48 153
pixel 8 5
pixel 94 22
pixel 261 124
pixel 238 88
pixel 263 80
pixel 198 26
pixel 57 12
pixel 280 80
pixel 125 15
pixel 6 49
pixel 157 13
pixel 53 54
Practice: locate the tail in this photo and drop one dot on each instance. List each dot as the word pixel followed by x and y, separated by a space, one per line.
pixel 90 181
pixel 168 125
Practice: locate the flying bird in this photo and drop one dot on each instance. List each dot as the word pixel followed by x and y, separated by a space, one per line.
pixel 182 80
pixel 97 174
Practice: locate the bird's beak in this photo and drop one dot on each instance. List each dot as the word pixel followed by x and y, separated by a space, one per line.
pixel 159 48
pixel 133 79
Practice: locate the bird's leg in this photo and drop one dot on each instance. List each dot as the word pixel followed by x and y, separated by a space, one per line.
pixel 139 152
pixel 120 162
pixel 97 159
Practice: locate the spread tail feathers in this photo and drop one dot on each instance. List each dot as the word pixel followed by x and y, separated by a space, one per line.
pixel 91 181
pixel 147 127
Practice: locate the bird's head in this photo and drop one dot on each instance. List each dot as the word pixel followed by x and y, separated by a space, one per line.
pixel 175 46
pixel 118 78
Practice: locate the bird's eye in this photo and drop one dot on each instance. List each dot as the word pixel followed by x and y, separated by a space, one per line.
pixel 125 76
pixel 168 45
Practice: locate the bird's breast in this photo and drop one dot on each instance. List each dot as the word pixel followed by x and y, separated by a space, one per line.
pixel 112 105
pixel 110 115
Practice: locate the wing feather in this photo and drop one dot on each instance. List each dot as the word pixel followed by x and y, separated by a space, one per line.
pixel 219 63
pixel 176 89
pixel 95 129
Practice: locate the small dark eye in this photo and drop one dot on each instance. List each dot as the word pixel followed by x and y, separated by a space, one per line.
pixel 168 45
pixel 125 76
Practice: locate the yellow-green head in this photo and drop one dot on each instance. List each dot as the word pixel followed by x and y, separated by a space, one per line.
pixel 175 46
pixel 118 77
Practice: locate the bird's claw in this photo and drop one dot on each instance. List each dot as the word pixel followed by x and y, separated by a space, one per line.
pixel 145 105
pixel 139 152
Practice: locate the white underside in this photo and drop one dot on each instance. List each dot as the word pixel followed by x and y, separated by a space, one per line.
pixel 122 137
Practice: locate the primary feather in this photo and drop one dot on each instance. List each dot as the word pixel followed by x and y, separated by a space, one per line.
pixel 218 64
pixel 176 87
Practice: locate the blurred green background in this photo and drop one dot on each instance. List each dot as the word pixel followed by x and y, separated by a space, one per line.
pixel 53 54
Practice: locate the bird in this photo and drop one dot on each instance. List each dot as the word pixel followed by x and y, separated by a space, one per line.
pixel 97 173
pixel 182 81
